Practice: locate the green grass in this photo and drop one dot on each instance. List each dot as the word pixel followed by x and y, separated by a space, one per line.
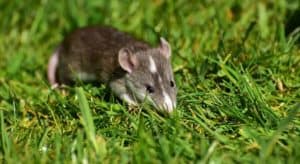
pixel 237 72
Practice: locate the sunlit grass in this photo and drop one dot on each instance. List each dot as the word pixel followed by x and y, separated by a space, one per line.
pixel 237 72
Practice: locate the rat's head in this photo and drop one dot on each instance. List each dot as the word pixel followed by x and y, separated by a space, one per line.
pixel 149 75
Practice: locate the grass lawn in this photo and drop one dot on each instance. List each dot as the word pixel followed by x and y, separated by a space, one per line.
pixel 237 72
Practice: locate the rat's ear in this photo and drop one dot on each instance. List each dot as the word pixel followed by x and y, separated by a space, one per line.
pixel 165 48
pixel 127 60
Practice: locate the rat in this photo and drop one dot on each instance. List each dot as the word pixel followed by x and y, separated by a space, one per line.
pixel 134 71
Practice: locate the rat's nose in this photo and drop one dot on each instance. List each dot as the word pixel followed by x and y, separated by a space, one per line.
pixel 168 103
pixel 168 108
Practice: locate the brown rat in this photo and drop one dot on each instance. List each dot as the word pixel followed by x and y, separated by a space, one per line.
pixel 134 71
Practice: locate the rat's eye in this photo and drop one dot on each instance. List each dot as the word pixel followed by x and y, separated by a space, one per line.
pixel 172 84
pixel 150 88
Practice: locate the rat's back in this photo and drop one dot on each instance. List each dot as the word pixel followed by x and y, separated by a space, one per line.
pixel 90 54
pixel 96 38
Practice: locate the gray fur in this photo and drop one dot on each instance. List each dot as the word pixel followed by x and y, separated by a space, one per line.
pixel 98 53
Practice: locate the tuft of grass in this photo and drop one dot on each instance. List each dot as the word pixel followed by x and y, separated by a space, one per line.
pixel 237 73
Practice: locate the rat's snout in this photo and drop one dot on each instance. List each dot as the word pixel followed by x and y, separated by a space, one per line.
pixel 168 107
pixel 168 103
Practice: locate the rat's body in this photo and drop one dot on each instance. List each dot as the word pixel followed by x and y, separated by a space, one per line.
pixel 130 67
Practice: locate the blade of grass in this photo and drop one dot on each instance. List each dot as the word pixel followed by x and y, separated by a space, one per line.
pixel 88 124
pixel 5 141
